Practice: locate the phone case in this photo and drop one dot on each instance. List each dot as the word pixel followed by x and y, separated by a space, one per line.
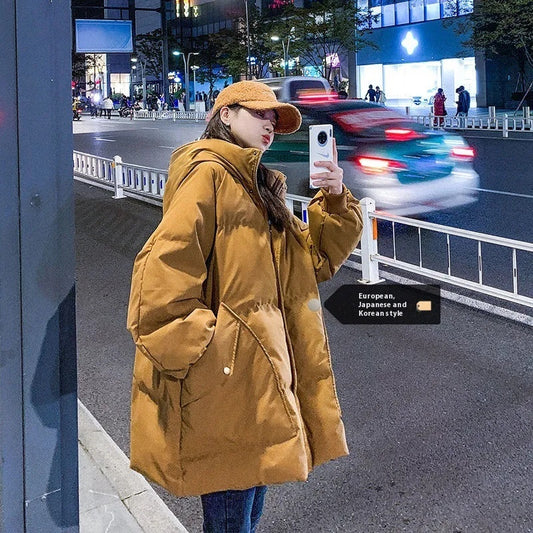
pixel 320 147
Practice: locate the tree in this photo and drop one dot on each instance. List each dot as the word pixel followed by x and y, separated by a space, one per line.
pixel 149 48
pixel 210 70
pixel 328 27
pixel 500 28
pixel 233 44
pixel 79 67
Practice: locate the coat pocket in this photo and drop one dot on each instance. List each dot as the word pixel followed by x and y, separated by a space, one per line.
pixel 234 395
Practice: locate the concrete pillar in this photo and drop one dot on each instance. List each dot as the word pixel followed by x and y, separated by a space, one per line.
pixel 38 435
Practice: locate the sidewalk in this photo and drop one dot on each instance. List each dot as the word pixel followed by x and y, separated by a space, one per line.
pixel 114 498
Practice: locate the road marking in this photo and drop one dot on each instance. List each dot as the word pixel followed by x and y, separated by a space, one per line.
pixel 528 196
pixel 102 139
pixel 171 147
pixel 454 297
pixel 485 137
pixel 147 128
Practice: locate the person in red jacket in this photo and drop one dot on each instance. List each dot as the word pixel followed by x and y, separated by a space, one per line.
pixel 439 109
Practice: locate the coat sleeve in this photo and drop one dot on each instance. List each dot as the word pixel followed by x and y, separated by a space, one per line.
pixel 335 226
pixel 167 316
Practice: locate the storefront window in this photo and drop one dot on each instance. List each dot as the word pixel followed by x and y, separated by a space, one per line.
pixel 432 9
pixel 449 8
pixel 402 13
pixel 465 7
pixel 417 10
pixel 396 12
pixel 388 14
pixel 120 83
pixel 403 82
pixel 376 11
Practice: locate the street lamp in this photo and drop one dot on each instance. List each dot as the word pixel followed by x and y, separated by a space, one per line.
pixel 135 60
pixel 194 68
pixel 248 64
pixel 275 38
pixel 186 61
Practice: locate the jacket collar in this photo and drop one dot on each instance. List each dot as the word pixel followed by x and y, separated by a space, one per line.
pixel 240 162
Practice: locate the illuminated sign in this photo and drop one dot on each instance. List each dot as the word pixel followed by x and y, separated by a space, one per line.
pixel 333 61
pixel 409 43
pixel 94 36
pixel 188 9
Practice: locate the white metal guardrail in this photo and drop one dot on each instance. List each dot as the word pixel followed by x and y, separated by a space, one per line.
pixel 172 114
pixel 148 184
pixel 504 123
pixel 371 258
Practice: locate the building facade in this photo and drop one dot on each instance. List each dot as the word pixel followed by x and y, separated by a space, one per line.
pixel 418 46
pixel 419 50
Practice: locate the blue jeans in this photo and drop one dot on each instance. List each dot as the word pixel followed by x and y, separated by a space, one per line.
pixel 233 511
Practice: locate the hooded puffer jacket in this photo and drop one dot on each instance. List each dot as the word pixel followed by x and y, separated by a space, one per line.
pixel 233 386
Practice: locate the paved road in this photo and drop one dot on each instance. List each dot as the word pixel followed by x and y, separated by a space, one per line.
pixel 438 417
pixel 505 200
pixel 504 208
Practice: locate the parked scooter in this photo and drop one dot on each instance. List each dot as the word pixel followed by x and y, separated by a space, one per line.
pixel 76 112
pixel 125 111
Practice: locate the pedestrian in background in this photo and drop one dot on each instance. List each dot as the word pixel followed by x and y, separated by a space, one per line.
pixel 233 388
pixel 370 94
pixel 107 106
pixel 439 109
pixel 463 104
pixel 380 96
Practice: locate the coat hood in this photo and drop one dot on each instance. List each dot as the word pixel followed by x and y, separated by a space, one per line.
pixel 242 163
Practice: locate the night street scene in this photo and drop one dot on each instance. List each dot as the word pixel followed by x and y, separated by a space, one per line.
pixel 267 266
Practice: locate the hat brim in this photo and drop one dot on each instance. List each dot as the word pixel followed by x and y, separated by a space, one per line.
pixel 289 118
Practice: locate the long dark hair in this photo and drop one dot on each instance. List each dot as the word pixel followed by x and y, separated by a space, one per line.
pixel 278 214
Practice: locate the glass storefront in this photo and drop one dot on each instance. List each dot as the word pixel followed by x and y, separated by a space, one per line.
pixel 408 83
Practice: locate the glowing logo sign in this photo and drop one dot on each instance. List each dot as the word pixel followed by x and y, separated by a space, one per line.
pixel 409 43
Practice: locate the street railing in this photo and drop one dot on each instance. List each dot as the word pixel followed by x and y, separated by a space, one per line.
pixel 503 123
pixel 172 114
pixel 371 258
pixel 148 184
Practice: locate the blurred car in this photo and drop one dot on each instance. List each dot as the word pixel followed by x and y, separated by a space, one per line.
pixel 406 168
pixel 287 88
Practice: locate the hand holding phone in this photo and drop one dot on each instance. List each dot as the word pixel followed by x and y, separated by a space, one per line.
pixel 322 149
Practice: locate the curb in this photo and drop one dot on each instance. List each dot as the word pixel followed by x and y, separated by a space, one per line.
pixel 135 493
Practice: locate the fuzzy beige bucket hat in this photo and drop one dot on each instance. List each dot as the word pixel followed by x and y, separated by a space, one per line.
pixel 257 95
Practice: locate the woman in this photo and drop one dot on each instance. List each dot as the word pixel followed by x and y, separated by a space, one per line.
pixel 380 96
pixel 439 110
pixel 233 388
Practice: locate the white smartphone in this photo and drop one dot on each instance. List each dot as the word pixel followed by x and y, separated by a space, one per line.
pixel 320 148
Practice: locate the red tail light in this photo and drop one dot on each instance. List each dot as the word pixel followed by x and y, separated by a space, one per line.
pixel 310 96
pixel 463 152
pixel 378 165
pixel 401 134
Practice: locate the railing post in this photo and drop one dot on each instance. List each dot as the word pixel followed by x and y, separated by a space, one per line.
pixel 506 125
pixel 369 244
pixel 117 177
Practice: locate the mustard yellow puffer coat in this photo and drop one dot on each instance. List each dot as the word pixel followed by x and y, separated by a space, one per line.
pixel 233 385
